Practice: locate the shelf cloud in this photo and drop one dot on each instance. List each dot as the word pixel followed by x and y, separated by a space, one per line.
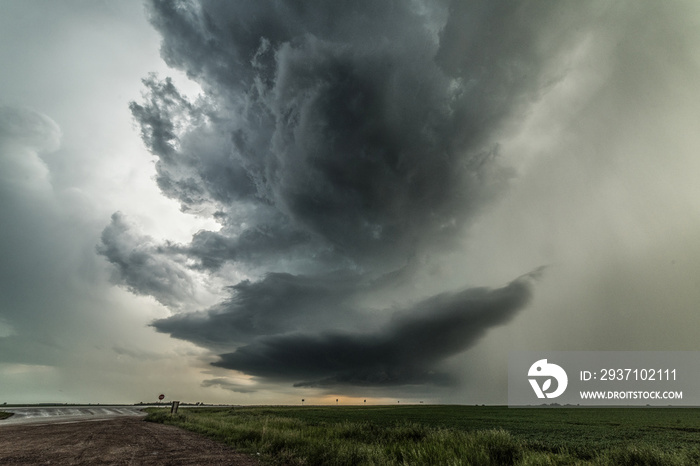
pixel 408 350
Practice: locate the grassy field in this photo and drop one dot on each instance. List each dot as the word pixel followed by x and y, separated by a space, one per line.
pixel 4 415
pixel 451 435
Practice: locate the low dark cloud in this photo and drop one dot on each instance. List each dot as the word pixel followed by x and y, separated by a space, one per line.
pixel 408 350
pixel 278 303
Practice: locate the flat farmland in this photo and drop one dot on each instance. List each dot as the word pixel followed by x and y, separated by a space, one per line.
pixel 457 435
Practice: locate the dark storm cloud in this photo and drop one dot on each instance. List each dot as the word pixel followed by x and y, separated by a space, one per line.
pixel 142 267
pixel 278 303
pixel 336 143
pixel 252 245
pixel 360 127
pixel 195 165
pixel 407 351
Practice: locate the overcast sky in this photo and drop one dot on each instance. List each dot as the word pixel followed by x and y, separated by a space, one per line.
pixel 259 202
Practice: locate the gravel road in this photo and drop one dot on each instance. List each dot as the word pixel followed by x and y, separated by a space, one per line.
pixel 115 441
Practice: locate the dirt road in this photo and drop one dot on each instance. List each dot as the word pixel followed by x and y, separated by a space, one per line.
pixel 117 441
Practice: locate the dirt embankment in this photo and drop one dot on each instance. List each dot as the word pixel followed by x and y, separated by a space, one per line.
pixel 120 441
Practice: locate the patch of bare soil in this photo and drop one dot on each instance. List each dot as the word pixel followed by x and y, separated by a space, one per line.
pixel 120 441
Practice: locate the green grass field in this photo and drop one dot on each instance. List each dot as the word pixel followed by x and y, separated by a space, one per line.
pixel 451 435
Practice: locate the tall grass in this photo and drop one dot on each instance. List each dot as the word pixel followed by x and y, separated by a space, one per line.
pixel 279 438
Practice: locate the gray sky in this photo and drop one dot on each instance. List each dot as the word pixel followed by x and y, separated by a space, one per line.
pixel 354 200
